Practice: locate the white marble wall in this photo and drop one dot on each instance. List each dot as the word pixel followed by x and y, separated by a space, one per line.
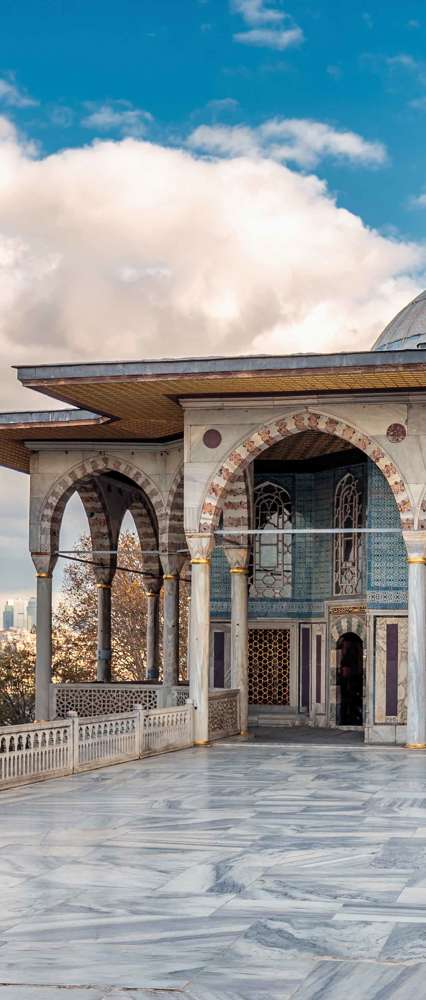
pixel 380 716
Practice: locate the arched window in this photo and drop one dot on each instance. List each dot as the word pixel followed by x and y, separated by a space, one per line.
pixel 348 545
pixel 272 570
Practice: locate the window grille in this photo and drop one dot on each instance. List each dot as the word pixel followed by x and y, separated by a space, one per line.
pixel 272 571
pixel 348 546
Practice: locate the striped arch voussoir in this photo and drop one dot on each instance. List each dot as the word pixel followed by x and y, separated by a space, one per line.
pixel 55 501
pixel 249 449
pixel 348 623
pixel 174 539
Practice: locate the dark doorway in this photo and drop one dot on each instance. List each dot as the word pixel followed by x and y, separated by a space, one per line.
pixel 350 672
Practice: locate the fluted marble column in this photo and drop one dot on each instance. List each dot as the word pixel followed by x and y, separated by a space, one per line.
pixel 415 542
pixel 238 560
pixel 200 547
pixel 43 674
pixel 103 652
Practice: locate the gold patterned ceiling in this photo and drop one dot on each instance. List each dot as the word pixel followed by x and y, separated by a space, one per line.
pixel 146 406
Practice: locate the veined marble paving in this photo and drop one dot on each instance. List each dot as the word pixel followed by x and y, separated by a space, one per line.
pixel 234 872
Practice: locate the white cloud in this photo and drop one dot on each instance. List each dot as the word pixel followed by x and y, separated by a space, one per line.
pixel 13 96
pixel 266 25
pixel 257 12
pixel 295 140
pixel 223 104
pixel 117 116
pixel 132 250
pixel 268 38
pixel 418 201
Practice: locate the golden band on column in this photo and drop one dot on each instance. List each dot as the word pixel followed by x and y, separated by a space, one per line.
pixel 200 562
pixel 239 569
pixel 416 559
pixel 104 586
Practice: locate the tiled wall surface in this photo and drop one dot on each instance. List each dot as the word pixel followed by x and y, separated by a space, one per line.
pixel 312 496
pixel 386 556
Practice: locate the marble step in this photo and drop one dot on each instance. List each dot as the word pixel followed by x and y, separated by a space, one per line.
pixel 276 715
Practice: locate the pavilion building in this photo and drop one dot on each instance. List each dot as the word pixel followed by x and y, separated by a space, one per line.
pixel 290 490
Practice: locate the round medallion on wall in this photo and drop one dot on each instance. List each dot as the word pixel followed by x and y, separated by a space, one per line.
pixel 396 432
pixel 212 438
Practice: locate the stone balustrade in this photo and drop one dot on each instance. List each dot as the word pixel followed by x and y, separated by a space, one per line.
pixel 168 729
pixel 40 750
pixel 103 699
pixel 34 751
pixel 224 713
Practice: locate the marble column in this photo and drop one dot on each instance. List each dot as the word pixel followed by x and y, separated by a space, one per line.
pixel 185 577
pixel 238 560
pixel 171 629
pixel 415 542
pixel 152 635
pixel 200 547
pixel 43 674
pixel 103 653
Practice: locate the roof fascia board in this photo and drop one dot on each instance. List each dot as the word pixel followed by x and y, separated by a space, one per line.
pixel 220 366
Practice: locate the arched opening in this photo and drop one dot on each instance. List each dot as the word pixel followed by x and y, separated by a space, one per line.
pixel 350 680
pixel 316 512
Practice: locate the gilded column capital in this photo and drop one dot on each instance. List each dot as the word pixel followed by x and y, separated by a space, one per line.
pixel 200 546
pixel 415 543
pixel 44 563
pixel 238 557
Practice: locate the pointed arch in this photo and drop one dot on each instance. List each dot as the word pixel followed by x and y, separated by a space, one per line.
pixel 250 447
pixel 53 506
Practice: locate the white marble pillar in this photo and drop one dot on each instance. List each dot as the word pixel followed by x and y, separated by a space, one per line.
pixel 103 652
pixel 43 673
pixel 171 629
pixel 415 542
pixel 238 560
pixel 200 547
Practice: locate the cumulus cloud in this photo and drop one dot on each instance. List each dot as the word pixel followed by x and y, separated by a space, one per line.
pixel 129 250
pixel 13 96
pixel 297 140
pixel 133 250
pixel 117 116
pixel 268 26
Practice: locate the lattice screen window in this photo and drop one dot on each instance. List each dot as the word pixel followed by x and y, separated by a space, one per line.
pixel 348 546
pixel 269 666
pixel 272 571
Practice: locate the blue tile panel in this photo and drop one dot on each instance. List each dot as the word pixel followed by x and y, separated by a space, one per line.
pixel 384 562
pixel 387 575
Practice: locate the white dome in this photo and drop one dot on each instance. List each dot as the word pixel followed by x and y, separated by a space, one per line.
pixel 407 330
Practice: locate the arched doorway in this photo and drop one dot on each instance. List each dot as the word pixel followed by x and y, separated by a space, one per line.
pixel 349 680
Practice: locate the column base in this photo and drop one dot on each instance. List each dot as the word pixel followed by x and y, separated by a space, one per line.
pixel 244 732
pixel 201 743
pixel 415 746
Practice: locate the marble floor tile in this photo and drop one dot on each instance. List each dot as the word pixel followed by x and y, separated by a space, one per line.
pixel 235 872
pixel 364 981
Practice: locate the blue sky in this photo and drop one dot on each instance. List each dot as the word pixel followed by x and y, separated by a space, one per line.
pixel 201 176
pixel 361 68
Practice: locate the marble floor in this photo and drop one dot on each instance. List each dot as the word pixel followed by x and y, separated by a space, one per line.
pixel 235 872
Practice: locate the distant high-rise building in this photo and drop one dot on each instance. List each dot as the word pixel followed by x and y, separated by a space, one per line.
pixel 31 614
pixel 20 616
pixel 8 616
